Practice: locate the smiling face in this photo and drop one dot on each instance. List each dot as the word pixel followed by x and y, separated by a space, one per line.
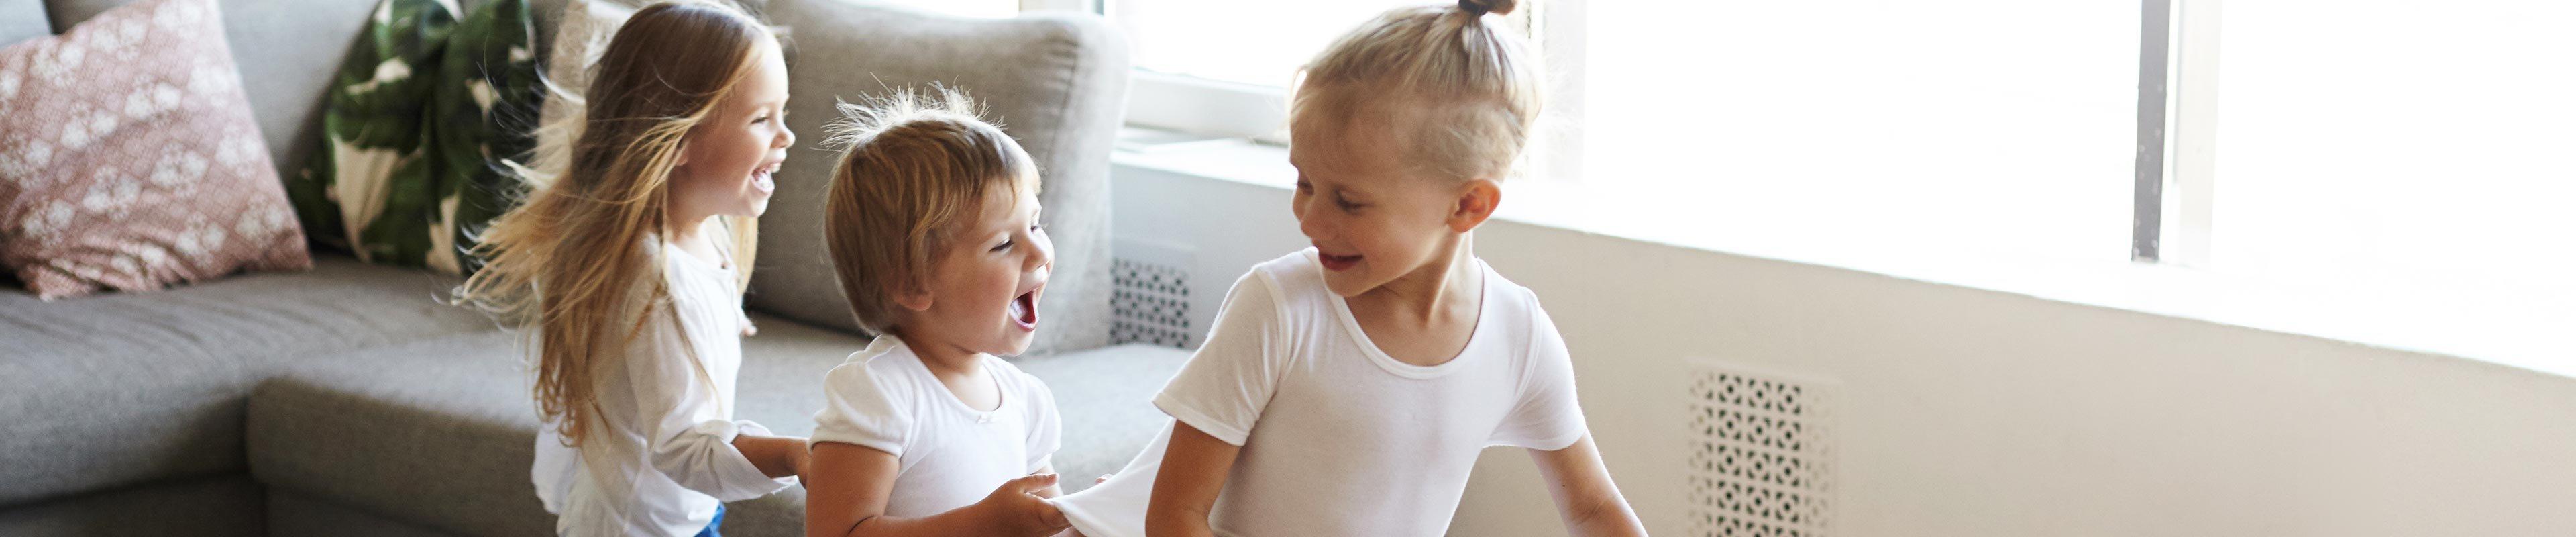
pixel 983 291
pixel 728 157
pixel 1372 218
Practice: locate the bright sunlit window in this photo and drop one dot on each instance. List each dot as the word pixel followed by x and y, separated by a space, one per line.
pixel 2362 148
pixel 2420 146
pixel 1254 43
pixel 962 8
pixel 1977 127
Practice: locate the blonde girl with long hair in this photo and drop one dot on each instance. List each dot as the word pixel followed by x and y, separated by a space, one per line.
pixel 629 259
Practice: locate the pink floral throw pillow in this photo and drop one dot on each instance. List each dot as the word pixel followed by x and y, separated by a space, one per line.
pixel 129 158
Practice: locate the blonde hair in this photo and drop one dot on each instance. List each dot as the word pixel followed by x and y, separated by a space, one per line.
pixel 1462 93
pixel 582 235
pixel 917 166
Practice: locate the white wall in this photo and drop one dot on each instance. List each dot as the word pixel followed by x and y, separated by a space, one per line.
pixel 1971 412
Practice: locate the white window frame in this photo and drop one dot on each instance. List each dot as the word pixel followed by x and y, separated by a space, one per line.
pixel 2177 132
pixel 1206 107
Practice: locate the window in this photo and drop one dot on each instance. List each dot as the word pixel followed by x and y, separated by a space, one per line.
pixel 1796 117
pixel 1974 127
pixel 1223 68
pixel 2420 146
pixel 2412 147
pixel 1246 43
pixel 963 8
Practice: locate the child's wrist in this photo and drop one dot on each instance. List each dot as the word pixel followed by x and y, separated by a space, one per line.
pixel 988 517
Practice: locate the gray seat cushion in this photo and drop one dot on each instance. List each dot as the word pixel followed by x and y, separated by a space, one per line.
pixel 226 505
pixel 297 515
pixel 379 429
pixel 435 432
pixel 1057 83
pixel 1106 397
pixel 123 388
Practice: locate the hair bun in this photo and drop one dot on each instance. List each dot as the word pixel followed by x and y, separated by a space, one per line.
pixel 1481 7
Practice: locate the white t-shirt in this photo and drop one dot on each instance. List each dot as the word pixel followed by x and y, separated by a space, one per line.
pixel 662 456
pixel 1340 439
pixel 948 455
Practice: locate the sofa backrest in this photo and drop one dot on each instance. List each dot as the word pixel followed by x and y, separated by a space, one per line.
pixel 1056 82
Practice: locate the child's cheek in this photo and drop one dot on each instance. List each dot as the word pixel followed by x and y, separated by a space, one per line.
pixel 1369 237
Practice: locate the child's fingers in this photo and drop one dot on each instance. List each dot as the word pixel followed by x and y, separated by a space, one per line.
pixel 1031 483
pixel 1104 478
pixel 1053 517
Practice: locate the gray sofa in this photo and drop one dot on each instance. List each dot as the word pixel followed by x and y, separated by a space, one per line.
pixel 346 400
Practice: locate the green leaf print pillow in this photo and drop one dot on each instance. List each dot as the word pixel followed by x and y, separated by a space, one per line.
pixel 484 114
pixel 371 128
pixel 421 117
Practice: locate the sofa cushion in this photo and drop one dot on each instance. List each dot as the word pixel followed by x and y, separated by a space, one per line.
pixel 1106 397
pixel 223 505
pixel 382 429
pixel 1056 82
pixel 427 117
pixel 297 515
pixel 451 418
pixel 366 189
pixel 124 388
pixel 129 158
pixel 285 51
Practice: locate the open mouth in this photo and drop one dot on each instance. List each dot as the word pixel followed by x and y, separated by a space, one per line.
pixel 1024 309
pixel 1336 262
pixel 760 177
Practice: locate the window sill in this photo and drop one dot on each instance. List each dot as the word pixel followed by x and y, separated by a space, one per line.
pixel 2523 336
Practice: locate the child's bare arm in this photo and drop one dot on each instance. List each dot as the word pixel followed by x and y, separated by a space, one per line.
pixel 848 486
pixel 1194 470
pixel 1585 497
pixel 776 456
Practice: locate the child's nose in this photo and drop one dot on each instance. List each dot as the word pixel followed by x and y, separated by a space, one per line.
pixel 786 137
pixel 1311 220
pixel 1045 260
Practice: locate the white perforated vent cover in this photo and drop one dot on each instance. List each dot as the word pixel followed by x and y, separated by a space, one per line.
pixel 1762 453
pixel 1149 299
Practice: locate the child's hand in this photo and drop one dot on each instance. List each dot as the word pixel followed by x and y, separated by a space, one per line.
pixel 747 328
pixel 1017 509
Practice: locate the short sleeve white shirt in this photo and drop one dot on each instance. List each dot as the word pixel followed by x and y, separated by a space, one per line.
pixel 1340 439
pixel 949 455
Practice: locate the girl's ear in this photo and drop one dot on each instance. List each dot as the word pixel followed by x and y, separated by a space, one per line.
pixel 1475 203
pixel 916 300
